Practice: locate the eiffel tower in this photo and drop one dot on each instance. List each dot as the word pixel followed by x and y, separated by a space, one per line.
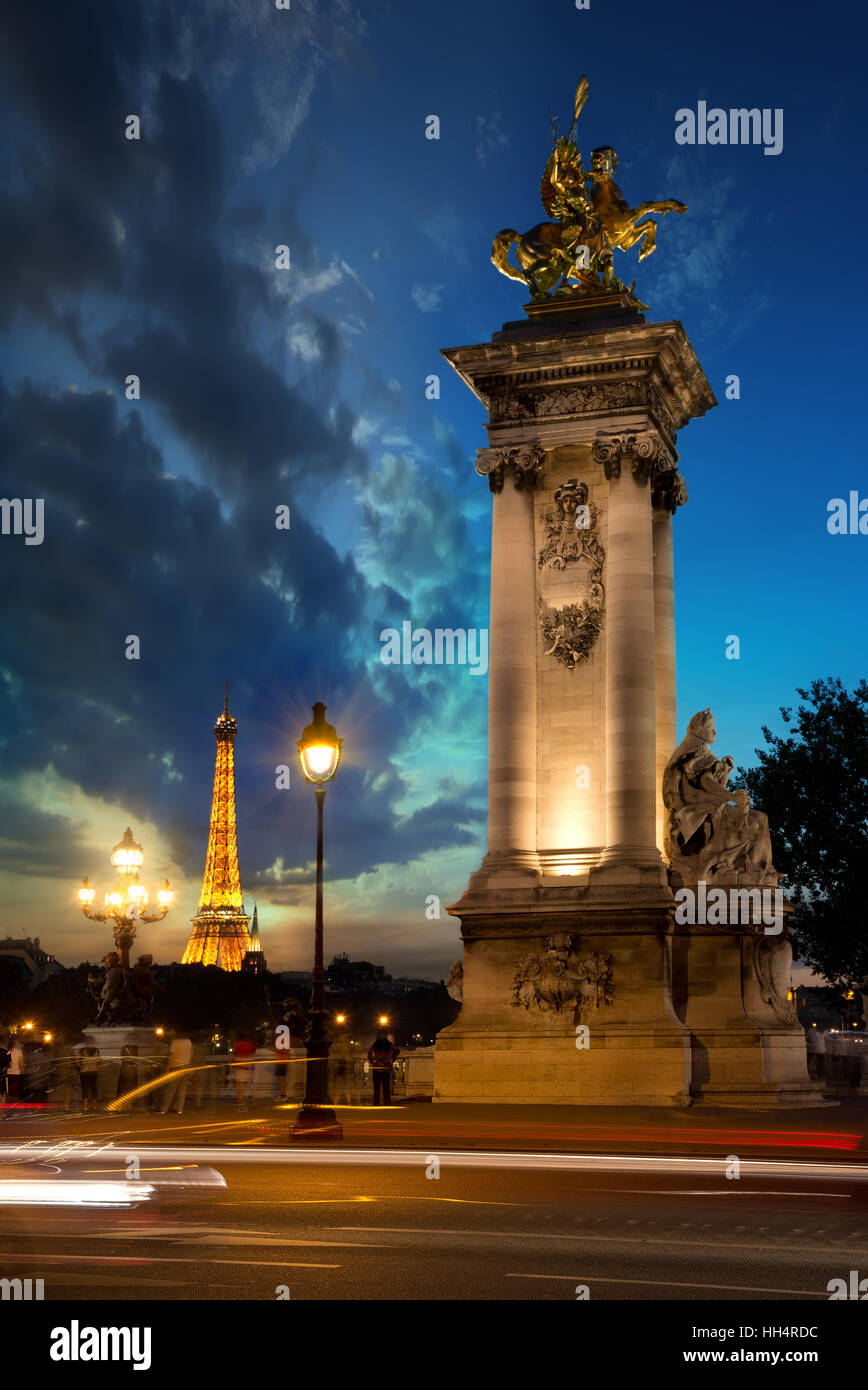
pixel 219 935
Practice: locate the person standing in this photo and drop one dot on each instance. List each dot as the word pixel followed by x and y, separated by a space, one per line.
pixel 4 1063
pixel 88 1071
pixel 201 1069
pixel 180 1057
pixel 65 1073
pixel 15 1071
pixel 242 1052
pixel 816 1044
pixel 341 1068
pixel 381 1055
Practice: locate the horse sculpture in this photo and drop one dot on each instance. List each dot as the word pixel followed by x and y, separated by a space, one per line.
pixel 591 218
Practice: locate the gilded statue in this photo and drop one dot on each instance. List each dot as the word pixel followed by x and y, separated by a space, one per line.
pixel 573 254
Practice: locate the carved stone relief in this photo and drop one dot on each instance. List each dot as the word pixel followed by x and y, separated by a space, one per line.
pixel 562 980
pixel 571 537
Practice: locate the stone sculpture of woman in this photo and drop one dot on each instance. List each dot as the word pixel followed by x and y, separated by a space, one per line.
pixel 712 830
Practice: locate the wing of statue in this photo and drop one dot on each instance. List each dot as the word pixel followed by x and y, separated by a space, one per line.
pixel 564 158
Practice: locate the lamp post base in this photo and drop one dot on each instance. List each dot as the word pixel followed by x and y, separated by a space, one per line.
pixel 315 1123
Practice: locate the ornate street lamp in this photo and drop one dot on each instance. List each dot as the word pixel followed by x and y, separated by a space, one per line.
pixel 126 905
pixel 319 751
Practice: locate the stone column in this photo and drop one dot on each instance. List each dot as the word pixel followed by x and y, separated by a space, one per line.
pixel 631 712
pixel 664 655
pixel 512 717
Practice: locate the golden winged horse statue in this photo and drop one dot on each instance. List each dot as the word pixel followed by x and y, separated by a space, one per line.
pixel 591 218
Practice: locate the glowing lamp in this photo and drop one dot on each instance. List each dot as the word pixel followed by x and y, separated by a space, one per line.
pixel 137 893
pixel 86 894
pixel 165 897
pixel 127 856
pixel 319 748
pixel 383 1018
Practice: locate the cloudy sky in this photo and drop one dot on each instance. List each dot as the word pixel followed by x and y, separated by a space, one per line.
pixel 305 387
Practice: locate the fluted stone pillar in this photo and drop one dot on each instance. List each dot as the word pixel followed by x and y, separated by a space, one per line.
pixel 631 708
pixel 512 719
pixel 664 654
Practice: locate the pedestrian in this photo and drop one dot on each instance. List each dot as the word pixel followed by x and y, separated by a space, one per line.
pixel 381 1055
pixel 15 1071
pixel 341 1067
pixel 201 1070
pixel 88 1071
pixel 180 1057
pixel 816 1044
pixel 65 1073
pixel 282 1049
pixel 39 1072
pixel 4 1064
pixel 242 1051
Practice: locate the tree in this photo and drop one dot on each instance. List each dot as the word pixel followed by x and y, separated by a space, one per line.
pixel 813 786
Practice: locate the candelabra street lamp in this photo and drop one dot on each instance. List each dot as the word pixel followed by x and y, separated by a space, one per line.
pixel 126 905
pixel 319 751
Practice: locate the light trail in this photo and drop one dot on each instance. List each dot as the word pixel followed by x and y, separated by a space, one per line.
pixel 72 1192
pixel 331 1157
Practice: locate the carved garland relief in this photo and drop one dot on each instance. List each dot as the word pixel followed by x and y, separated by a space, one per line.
pixel 570 537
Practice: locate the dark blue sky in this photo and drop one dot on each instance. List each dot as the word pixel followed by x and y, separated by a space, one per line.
pixel 307 387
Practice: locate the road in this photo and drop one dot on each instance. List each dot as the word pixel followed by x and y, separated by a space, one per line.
pixel 315 1229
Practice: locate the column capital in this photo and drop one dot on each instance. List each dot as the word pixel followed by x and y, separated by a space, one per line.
pixel 668 491
pixel 644 451
pixel 523 461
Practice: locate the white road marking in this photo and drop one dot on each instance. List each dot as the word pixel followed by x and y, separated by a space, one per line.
pixel 137 1260
pixel 670 1284
pixel 609 1239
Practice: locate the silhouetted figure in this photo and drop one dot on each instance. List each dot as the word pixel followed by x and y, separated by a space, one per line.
pixel 381 1055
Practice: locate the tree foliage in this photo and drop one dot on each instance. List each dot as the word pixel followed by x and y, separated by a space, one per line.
pixel 813 785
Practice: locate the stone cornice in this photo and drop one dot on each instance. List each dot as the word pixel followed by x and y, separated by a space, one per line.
pixel 650 366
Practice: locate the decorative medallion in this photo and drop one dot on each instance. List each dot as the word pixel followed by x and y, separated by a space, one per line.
pixel 561 980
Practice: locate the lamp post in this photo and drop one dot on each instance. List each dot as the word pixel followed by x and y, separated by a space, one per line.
pixel 319 751
pixel 126 904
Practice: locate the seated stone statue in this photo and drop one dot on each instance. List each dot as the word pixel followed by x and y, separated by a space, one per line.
pixel 712 832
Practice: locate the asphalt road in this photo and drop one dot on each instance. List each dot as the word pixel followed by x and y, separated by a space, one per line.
pixel 375 1233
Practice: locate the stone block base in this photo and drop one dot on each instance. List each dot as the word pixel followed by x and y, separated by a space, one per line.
pixel 620 1067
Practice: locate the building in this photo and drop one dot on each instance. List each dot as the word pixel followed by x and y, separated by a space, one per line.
pixel 345 976
pixel 23 962
pixel 254 962
pixel 220 935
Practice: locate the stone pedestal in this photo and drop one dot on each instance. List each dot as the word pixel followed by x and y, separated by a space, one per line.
pixel 579 987
pixel 124 1053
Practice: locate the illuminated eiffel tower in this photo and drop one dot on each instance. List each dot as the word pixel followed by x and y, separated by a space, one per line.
pixel 219 935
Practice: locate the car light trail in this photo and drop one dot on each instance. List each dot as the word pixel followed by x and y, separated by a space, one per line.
pixel 673 1165
pixel 72 1192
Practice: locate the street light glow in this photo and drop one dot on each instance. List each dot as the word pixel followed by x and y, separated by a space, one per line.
pixel 319 748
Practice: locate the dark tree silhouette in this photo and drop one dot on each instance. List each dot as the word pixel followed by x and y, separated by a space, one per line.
pixel 813 785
